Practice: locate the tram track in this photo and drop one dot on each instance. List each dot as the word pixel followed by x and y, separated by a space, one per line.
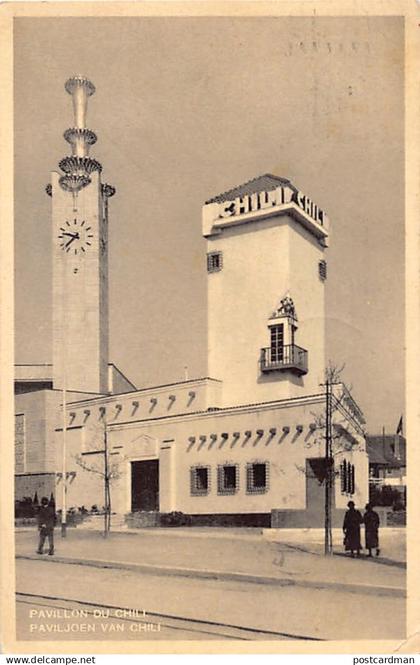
pixel 170 621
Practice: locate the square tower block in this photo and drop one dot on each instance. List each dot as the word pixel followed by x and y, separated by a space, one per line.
pixel 80 287
pixel 266 282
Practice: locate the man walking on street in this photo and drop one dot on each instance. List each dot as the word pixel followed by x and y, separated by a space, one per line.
pixel 46 522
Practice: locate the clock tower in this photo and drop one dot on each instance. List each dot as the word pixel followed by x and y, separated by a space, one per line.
pixel 80 257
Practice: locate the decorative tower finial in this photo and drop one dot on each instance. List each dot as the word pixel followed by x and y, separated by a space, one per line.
pixel 79 137
pixel 80 88
pixel 79 165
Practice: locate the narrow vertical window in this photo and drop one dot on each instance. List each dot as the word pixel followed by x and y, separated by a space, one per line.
pixel 347 477
pixel 20 444
pixel 277 342
pixel 322 270
pixel 343 476
pixel 352 483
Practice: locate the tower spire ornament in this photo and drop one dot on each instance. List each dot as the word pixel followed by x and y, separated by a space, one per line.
pixel 80 88
pixel 78 167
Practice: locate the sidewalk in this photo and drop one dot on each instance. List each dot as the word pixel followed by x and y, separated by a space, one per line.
pixel 392 542
pixel 236 555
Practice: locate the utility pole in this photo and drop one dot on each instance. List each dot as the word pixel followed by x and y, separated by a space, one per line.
pixel 328 470
pixel 332 378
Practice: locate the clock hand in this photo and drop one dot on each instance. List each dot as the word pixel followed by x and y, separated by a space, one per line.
pixel 72 235
pixel 70 241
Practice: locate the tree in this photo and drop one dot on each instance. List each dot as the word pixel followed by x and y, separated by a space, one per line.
pixel 109 471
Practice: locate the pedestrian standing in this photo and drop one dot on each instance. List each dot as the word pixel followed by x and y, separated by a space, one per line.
pixel 372 522
pixel 351 528
pixel 46 522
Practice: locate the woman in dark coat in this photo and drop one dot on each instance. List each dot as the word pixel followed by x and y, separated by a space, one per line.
pixel 351 529
pixel 371 520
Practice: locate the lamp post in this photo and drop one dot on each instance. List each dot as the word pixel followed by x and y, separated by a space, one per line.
pixel 107 506
pixel 64 408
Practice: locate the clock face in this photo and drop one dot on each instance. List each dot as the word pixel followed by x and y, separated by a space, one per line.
pixel 75 236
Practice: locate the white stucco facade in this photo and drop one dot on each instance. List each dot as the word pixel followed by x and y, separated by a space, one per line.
pixel 262 263
pixel 282 435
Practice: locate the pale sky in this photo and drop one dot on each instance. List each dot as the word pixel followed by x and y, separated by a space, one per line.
pixel 186 108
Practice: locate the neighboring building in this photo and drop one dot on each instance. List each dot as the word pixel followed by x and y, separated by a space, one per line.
pixel 242 444
pixel 387 461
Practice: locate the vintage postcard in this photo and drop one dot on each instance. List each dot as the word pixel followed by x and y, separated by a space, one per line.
pixel 210 327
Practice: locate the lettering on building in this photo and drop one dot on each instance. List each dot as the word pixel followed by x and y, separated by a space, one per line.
pixel 275 197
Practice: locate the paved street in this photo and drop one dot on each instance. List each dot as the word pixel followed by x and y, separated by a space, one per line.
pixel 322 614
pixel 31 627
pixel 290 592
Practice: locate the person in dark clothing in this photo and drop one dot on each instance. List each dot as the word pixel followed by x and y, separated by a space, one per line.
pixel 46 522
pixel 372 521
pixel 351 529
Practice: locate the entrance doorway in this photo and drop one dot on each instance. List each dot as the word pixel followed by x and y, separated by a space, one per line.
pixel 145 485
pixel 315 485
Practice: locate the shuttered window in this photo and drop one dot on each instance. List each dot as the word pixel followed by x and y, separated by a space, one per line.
pixel 347 477
pixel 322 269
pixel 257 478
pixel 199 480
pixel 214 261
pixel 227 478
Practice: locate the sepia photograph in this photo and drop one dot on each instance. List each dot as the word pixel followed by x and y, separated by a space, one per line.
pixel 210 426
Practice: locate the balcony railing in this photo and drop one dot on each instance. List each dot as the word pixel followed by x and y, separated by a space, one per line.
pixel 290 357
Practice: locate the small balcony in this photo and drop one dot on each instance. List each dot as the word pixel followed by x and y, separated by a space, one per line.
pixel 291 357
